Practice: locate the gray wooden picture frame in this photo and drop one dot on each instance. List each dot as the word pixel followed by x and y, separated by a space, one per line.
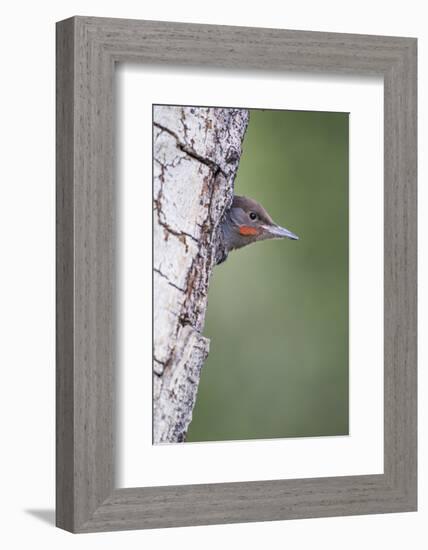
pixel 87 50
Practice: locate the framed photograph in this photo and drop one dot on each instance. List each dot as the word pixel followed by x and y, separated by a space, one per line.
pixel 236 274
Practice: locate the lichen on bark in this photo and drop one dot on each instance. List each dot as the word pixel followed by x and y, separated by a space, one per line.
pixel 196 153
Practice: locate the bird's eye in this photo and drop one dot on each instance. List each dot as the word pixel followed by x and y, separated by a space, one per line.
pixel 253 216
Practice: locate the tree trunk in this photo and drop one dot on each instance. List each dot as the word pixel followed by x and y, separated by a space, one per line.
pixel 196 156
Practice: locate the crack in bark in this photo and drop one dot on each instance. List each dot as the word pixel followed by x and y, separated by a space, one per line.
pixel 179 234
pixel 158 371
pixel 159 272
pixel 158 207
pixel 191 152
pixel 185 128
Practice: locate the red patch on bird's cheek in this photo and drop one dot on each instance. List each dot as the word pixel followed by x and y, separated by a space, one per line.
pixel 248 231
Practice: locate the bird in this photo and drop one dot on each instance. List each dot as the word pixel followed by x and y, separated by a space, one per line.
pixel 244 223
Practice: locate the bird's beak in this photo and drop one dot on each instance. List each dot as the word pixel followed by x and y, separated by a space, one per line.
pixel 280 232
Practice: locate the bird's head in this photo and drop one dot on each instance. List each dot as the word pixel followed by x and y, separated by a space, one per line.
pixel 247 222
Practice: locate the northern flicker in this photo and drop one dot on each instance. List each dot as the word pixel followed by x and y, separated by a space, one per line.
pixel 244 223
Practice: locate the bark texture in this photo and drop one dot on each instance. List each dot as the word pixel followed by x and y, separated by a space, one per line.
pixel 196 156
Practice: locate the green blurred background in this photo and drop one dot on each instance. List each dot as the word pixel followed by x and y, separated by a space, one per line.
pixel 278 310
